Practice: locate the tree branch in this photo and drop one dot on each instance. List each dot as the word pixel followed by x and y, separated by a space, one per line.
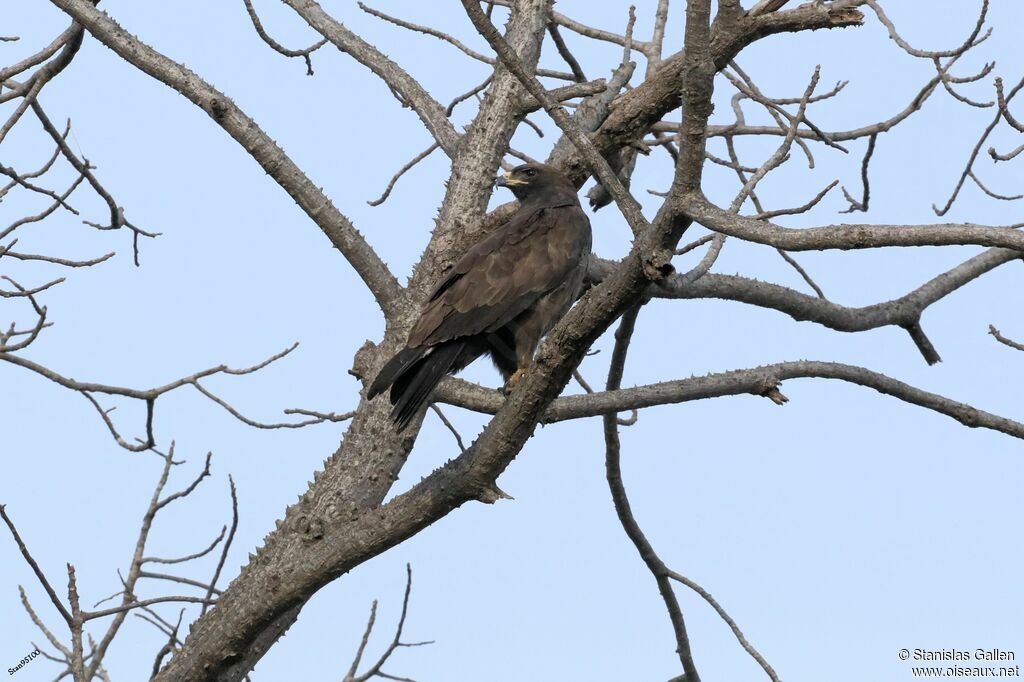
pixel 30 560
pixel 621 501
pixel 848 236
pixel 371 454
pixel 277 47
pixel 253 139
pixel 904 311
pixel 410 92
pixel 396 642
pixel 627 204
pixel 754 381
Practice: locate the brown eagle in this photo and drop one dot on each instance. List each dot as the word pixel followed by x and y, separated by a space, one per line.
pixel 500 298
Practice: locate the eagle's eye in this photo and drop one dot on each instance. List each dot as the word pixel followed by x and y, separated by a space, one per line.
pixel 530 172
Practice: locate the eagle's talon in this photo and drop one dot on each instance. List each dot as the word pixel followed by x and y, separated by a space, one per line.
pixel 513 381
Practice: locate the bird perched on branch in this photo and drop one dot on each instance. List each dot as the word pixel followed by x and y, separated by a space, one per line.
pixel 500 298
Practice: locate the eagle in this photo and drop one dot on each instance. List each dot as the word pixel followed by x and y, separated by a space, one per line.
pixel 499 299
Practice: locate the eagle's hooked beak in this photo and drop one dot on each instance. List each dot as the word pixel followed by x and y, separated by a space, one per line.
pixel 506 180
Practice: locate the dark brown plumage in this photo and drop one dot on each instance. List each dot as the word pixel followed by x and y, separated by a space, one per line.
pixel 501 297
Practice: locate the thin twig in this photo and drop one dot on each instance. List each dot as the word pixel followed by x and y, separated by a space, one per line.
pixel 396 642
pixel 449 426
pixel 277 47
pixel 40 576
pixel 654 563
pixel 862 205
pixel 563 50
pixel 401 171
pixel 451 40
pixel 1003 340
pixel 968 168
pixel 747 646
pixel 211 590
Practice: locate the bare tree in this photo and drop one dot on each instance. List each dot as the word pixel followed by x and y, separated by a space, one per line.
pixel 610 127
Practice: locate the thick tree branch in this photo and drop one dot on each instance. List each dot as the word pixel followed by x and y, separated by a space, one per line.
pixel 903 311
pixel 645 105
pixel 225 643
pixel 596 163
pixel 333 538
pixel 754 381
pixel 848 236
pixel 338 523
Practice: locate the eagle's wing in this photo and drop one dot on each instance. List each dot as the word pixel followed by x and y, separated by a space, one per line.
pixel 505 274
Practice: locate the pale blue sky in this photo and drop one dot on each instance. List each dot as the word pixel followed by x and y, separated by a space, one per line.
pixel 836 530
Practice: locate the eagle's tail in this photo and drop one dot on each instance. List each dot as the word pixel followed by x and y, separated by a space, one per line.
pixel 393 369
pixel 412 374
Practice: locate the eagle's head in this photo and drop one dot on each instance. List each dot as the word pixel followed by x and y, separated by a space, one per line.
pixel 537 181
